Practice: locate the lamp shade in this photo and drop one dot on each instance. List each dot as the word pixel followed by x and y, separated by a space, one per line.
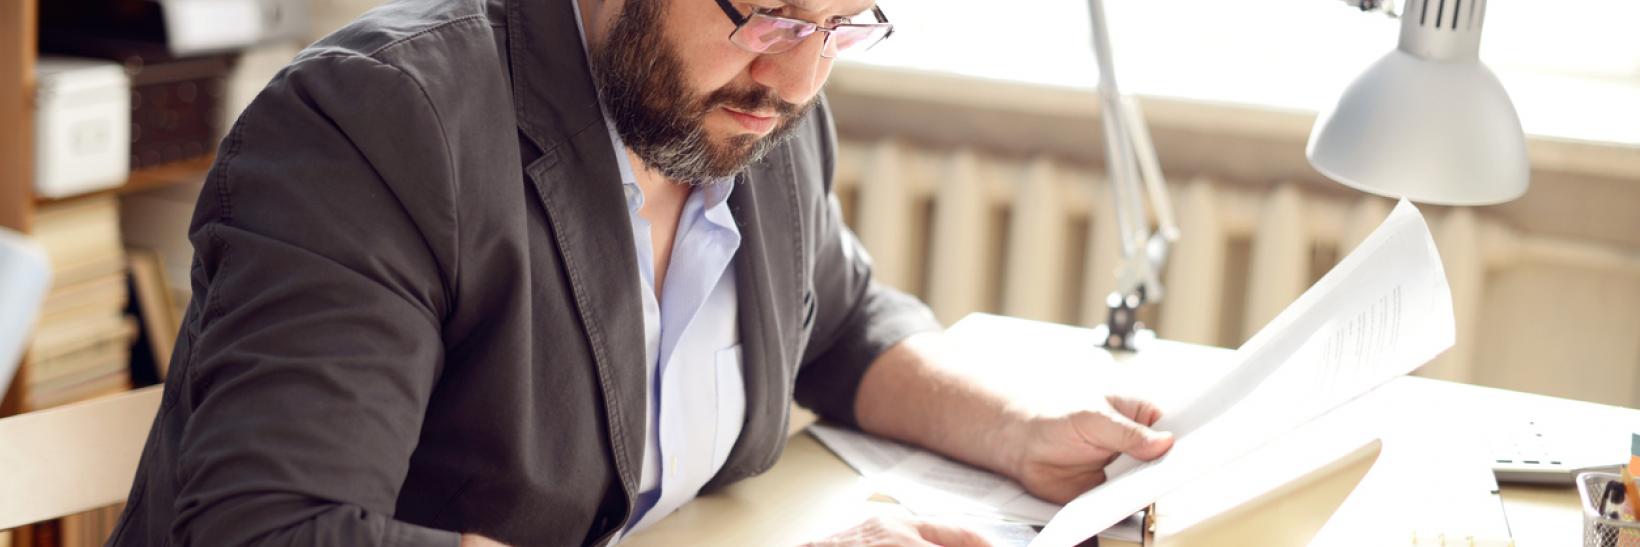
pixel 1427 122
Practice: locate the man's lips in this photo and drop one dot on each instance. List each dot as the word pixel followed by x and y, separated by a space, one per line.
pixel 753 122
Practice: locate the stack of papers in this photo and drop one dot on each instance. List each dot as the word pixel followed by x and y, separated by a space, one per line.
pixel 1381 313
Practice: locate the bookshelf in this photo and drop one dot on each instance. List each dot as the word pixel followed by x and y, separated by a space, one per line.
pixel 159 176
pixel 18 51
pixel 21 210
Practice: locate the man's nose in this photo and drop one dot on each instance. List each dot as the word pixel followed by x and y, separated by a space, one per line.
pixel 797 74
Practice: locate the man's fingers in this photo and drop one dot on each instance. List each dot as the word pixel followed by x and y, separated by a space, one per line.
pixel 1138 410
pixel 903 531
pixel 1118 433
pixel 948 535
pixel 1067 488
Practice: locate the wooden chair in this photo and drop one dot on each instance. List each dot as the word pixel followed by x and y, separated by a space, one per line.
pixel 74 458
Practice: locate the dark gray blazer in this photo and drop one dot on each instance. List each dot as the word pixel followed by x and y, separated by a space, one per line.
pixel 417 309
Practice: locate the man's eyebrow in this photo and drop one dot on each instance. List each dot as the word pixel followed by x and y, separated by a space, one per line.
pixel 808 6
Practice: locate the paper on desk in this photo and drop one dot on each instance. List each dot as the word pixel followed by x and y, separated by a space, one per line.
pixel 867 454
pixel 929 484
pixel 1382 312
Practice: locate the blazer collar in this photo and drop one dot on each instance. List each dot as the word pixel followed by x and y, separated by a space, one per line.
pixel 553 94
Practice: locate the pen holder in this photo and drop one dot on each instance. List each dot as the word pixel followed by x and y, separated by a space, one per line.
pixel 1599 529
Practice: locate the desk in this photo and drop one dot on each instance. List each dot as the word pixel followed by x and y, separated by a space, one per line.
pixel 810 493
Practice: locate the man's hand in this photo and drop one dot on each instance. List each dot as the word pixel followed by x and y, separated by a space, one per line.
pixel 1062 456
pixel 902 531
pixel 908 395
pixel 475 540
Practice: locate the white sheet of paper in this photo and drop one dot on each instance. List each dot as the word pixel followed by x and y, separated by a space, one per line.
pixel 1380 313
pixel 867 454
pixel 928 484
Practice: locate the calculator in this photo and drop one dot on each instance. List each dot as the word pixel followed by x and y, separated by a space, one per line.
pixel 1539 451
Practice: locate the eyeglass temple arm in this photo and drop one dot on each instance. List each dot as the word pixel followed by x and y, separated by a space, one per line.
pixel 734 14
pixel 878 11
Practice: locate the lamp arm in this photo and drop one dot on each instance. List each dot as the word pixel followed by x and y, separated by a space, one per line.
pixel 1135 178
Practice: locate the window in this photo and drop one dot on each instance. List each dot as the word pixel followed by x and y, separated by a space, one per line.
pixel 1571 66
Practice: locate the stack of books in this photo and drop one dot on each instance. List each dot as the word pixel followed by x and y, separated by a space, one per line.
pixel 82 343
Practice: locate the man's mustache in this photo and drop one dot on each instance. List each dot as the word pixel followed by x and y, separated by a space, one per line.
pixel 752 100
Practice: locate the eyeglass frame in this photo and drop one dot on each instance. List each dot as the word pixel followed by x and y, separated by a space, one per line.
pixel 740 21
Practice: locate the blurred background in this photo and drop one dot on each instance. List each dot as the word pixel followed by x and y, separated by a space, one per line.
pixel 971 167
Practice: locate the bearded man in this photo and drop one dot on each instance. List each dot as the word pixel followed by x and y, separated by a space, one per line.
pixel 540 272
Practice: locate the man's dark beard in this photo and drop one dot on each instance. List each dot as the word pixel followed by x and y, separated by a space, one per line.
pixel 641 82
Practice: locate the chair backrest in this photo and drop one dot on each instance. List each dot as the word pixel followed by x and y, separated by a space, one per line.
pixel 24 278
pixel 73 458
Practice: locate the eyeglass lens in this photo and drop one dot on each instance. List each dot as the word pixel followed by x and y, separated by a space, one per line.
pixel 768 34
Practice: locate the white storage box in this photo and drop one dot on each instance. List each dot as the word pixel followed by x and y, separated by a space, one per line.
pixel 82 125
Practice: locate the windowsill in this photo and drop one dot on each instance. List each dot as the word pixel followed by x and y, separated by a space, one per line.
pixel 1580 143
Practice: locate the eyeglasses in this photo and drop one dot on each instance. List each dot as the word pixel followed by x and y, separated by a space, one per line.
pixel 764 33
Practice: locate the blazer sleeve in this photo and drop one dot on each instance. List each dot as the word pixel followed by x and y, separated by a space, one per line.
pixel 856 318
pixel 322 239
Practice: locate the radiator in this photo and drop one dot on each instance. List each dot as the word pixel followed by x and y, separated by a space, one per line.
pixel 970 231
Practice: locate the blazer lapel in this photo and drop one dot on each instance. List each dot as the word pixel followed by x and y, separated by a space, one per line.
pixel 578 184
pixel 765 209
pixel 579 188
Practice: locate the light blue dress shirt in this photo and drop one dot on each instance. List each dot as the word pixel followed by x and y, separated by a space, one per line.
pixel 697 397
pixel 691 339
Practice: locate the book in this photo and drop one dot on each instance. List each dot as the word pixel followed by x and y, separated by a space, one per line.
pixel 102 351
pixel 79 360
pixel 56 338
pixel 103 293
pixel 109 384
pixel 155 306
pixel 81 238
pixel 113 363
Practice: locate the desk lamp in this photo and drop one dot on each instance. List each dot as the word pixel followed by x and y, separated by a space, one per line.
pixel 24 279
pixel 1427 122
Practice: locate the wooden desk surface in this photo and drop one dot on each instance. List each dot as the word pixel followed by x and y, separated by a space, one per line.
pixel 1543 515
pixel 810 493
